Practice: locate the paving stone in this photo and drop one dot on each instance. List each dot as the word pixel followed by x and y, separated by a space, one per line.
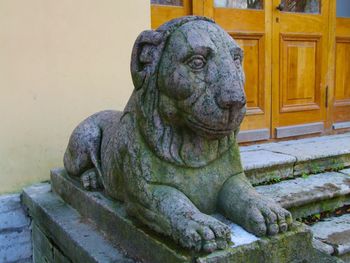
pixel 15 245
pixel 311 195
pixel 13 219
pixel 69 231
pixel 9 202
pixel 15 234
pixel 334 231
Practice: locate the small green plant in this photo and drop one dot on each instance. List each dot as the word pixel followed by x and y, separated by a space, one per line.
pixel 304 175
pixel 337 166
pixel 317 216
pixel 276 179
pixel 315 169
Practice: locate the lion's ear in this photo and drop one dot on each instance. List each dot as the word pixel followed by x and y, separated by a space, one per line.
pixel 145 56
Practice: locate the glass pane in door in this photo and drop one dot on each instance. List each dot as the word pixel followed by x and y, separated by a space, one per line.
pixel 167 2
pixel 241 4
pixel 301 6
pixel 343 8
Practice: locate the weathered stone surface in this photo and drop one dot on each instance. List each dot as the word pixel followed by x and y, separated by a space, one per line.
pixel 345 171
pixel 334 231
pixel 67 229
pixel 321 246
pixel 12 215
pixel 15 237
pixel 310 195
pixel 311 155
pixel 263 166
pixel 15 246
pixel 172 155
pixel 293 246
pixel 44 250
pixel 110 217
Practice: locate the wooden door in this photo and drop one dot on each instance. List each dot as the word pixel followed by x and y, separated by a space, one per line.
pixel 165 10
pixel 249 23
pixel 341 101
pixel 299 43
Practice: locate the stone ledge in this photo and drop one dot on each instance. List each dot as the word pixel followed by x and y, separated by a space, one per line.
pixel 142 243
pixel 66 229
pixel 310 195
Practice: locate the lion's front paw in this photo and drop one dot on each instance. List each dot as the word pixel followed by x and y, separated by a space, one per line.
pixel 265 217
pixel 201 232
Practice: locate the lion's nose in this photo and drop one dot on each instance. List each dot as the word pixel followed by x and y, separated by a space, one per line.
pixel 228 99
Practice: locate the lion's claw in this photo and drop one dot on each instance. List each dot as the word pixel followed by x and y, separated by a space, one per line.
pixel 267 218
pixel 202 233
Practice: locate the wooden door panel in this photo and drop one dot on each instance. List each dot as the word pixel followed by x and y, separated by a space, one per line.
pixel 252 45
pixel 342 90
pixel 342 80
pixel 300 73
pixel 341 99
pixel 300 38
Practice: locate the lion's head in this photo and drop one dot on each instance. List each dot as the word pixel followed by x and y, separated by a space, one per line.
pixel 188 79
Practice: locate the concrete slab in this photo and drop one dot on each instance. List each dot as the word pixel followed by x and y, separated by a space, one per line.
pixel 67 229
pixel 310 195
pixel 334 231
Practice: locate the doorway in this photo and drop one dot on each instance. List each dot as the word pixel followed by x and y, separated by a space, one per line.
pixel 287 62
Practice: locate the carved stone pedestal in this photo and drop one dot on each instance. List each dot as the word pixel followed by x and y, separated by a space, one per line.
pixel 73 225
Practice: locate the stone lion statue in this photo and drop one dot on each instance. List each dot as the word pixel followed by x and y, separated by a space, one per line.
pixel 171 156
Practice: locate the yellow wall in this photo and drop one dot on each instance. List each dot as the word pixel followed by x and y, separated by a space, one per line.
pixel 60 61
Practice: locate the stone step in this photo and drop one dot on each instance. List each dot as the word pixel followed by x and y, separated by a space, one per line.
pixel 57 227
pixel 312 194
pixel 289 159
pixel 334 234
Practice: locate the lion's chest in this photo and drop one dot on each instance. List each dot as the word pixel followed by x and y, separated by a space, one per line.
pixel 201 185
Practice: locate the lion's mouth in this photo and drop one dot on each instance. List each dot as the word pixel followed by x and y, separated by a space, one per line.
pixel 209 130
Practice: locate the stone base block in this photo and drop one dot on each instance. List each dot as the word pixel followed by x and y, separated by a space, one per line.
pixel 108 218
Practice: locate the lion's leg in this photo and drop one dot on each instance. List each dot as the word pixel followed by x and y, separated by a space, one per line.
pixel 82 156
pixel 240 202
pixel 170 212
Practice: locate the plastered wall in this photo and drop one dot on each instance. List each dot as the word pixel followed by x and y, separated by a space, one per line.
pixel 60 61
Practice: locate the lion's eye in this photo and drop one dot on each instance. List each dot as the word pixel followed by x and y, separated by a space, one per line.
pixel 196 62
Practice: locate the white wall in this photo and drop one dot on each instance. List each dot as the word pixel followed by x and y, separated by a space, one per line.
pixel 60 61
